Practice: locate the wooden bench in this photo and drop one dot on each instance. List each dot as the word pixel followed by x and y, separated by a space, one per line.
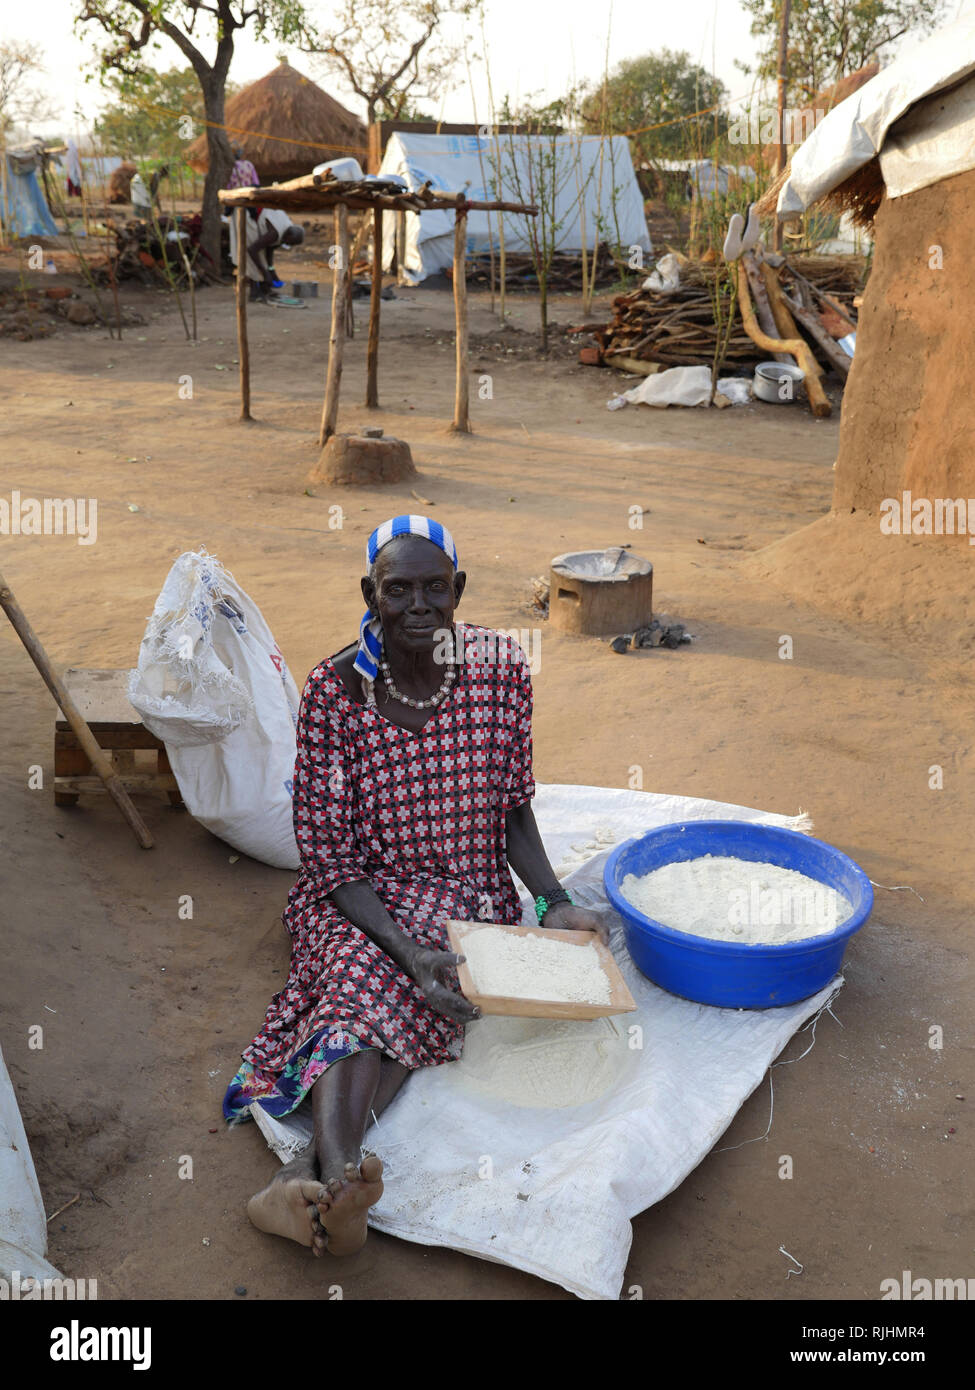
pixel 102 698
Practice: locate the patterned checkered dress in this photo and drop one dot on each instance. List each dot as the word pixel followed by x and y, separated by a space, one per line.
pixel 422 817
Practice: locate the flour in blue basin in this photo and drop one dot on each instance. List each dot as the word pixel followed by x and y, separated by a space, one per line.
pixel 737 900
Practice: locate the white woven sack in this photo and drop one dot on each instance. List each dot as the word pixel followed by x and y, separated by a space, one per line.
pixel 213 685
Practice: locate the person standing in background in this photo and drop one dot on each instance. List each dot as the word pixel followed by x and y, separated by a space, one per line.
pixel 74 171
pixel 243 174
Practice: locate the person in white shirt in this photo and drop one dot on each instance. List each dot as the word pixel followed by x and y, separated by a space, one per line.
pixel 266 229
pixel 141 199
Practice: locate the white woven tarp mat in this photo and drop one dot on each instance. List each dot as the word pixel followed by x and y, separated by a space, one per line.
pixel 553 1190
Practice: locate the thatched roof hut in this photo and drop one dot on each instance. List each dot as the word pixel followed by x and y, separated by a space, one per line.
pixel 286 125
pixel 805 120
pixel 860 195
pixel 901 155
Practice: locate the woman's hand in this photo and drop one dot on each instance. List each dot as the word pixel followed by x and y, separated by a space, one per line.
pixel 568 917
pixel 430 969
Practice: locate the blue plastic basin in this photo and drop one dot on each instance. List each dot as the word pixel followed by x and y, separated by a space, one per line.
pixel 734 974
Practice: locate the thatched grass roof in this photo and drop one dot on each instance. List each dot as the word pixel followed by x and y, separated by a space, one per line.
pixel 862 193
pixel 816 110
pixel 286 125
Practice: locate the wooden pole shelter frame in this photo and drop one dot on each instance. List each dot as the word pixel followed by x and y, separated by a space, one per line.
pixel 320 192
pixel 89 744
pixel 794 345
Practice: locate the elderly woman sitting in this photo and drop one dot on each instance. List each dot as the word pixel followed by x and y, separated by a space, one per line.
pixel 412 795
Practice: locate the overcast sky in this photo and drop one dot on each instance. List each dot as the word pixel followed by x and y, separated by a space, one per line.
pixel 535 46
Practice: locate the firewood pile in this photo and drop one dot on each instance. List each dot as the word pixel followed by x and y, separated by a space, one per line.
pixel 143 253
pixel 565 272
pixel 680 329
pixel 676 330
pixel 840 277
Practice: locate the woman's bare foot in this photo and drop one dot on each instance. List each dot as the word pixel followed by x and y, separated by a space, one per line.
pixel 288 1205
pixel 343 1204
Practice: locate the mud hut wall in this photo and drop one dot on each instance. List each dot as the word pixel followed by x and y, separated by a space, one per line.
pixel 908 421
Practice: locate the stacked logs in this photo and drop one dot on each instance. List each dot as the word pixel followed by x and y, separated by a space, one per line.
pixel 680 329
pixel 840 277
pixel 565 272
pixel 677 330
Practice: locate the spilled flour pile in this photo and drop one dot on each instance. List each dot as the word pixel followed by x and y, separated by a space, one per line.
pixel 532 967
pixel 543 1063
pixel 736 900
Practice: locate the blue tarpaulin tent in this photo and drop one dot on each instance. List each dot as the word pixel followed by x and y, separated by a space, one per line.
pixel 23 207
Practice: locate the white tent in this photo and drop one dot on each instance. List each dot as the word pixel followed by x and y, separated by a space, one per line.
pixel 936 141
pixel 704 175
pixel 596 192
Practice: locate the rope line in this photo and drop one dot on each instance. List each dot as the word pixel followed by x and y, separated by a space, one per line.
pixel 364 149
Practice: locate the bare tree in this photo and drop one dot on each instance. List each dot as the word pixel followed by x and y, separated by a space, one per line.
pixel 19 103
pixel 389 53
pixel 133 26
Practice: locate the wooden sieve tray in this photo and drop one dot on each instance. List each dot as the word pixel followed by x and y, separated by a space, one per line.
pixel 620 998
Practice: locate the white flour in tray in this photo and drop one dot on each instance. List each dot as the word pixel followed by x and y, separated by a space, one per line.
pixel 729 899
pixel 533 967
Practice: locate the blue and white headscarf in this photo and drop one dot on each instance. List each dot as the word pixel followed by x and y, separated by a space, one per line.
pixel 370 629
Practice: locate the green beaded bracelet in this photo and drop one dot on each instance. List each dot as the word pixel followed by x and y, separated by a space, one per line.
pixel 542 904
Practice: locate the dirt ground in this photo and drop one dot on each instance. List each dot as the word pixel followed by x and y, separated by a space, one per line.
pixel 144 1014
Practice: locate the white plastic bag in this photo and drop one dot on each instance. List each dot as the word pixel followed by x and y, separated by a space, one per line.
pixel 23 1228
pixel 677 386
pixel 665 277
pixel 736 389
pixel 213 685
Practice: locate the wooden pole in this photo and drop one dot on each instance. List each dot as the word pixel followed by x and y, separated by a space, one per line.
pixel 781 78
pixel 354 254
pixel 243 351
pixel 375 300
pixel 763 309
pixel 336 338
pixel 797 347
pixel 3 191
pixel 461 421
pixel 73 715
pixel 782 314
pixel 401 247
pixel 827 344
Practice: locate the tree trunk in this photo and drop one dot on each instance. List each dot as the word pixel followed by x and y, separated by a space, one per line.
pixel 220 163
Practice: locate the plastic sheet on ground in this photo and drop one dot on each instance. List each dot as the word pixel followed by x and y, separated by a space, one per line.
pixel 688 386
pixel 677 386
pixel 854 131
pixel 552 1191
pixel 23 1226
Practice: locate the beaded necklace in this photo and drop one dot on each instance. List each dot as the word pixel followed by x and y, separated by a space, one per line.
pixel 437 698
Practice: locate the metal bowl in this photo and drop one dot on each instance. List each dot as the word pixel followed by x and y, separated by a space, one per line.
pixel 768 379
